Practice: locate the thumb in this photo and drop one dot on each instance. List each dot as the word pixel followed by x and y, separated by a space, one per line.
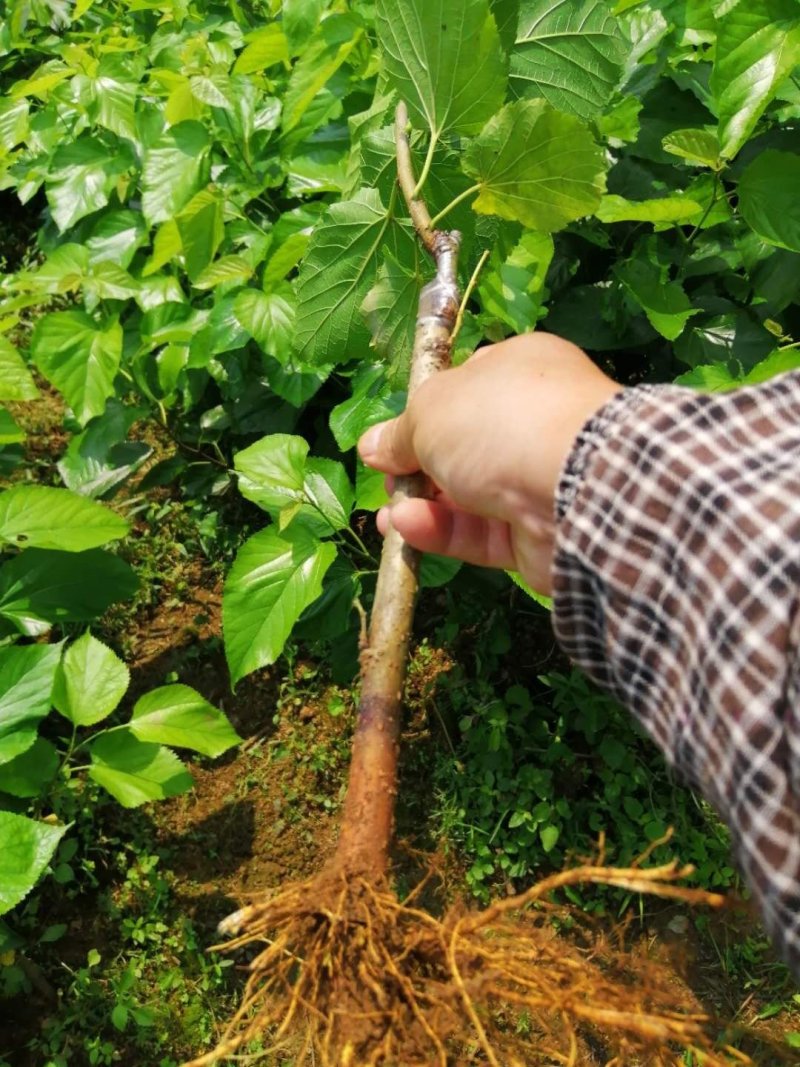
pixel 389 447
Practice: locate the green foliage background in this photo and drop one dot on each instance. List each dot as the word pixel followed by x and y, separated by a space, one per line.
pixel 221 249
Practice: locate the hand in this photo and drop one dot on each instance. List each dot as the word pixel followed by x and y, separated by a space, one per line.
pixel 492 435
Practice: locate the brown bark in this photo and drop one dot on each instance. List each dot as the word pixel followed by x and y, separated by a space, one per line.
pixel 368 816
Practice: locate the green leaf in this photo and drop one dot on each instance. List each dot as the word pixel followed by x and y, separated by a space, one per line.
pixel 695 145
pixel 82 175
pixel 39 587
pixel 329 494
pixel 337 273
pixel 271 471
pixel 330 47
pixel 16 382
pixel 26 848
pixel 709 377
pixel 390 308
pixel 536 166
pixel 26 682
pixel 134 772
pixel 265 47
pixel 768 198
pixel 269 318
pixel 178 715
pixel 444 59
pixel 42 517
pixel 224 271
pixel 115 105
pixel 571 52
pixel 201 228
pixel 666 305
pixel 662 210
pixel 11 433
pixel 90 681
pixel 79 358
pixel 13 122
pixel 758 45
pixel 513 288
pixel 273 580
pixel 27 774
pixel 372 401
pixel 174 169
pixel 116 237
pixel 549 836
pixel 437 570
pixel 100 458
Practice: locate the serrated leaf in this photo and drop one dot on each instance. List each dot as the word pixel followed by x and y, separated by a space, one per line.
pixel 330 47
pixel 13 122
pixel 513 287
pixel 571 53
pixel 42 517
pixel 26 682
pixel 272 470
pixel 82 174
pixel 174 169
pixel 444 59
pixel 372 400
pixel 659 210
pixel 201 228
pixel 115 105
pixel 665 303
pixel 40 587
pixel 101 458
pixel 709 377
pixel 213 89
pixel 536 166
pixel 269 318
pixel 134 772
pixel 16 382
pixel 265 47
pixel 224 271
pixel 27 774
pixel 390 308
pixel 79 358
pixel 177 715
pixel 695 145
pixel 115 237
pixel 758 45
pixel 329 494
pixel 26 848
pixel 274 578
pixel 337 273
pixel 63 271
pixel 90 681
pixel 768 198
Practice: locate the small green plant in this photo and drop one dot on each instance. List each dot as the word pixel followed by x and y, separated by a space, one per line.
pixel 53 572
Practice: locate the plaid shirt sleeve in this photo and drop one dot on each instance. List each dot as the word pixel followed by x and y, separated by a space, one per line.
pixel 676 587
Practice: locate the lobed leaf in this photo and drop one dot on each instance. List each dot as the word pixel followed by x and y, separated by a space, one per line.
pixel 536 166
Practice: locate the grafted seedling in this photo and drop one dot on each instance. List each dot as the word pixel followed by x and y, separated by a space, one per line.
pixel 348 976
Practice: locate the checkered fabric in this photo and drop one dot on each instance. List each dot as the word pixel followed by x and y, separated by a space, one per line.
pixel 676 586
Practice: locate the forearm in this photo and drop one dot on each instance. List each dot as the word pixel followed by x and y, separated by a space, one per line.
pixel 676 583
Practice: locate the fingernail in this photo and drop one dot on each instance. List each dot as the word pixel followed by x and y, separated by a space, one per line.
pixel 369 442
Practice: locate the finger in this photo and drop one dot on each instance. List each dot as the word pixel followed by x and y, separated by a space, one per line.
pixel 389 447
pixel 434 526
